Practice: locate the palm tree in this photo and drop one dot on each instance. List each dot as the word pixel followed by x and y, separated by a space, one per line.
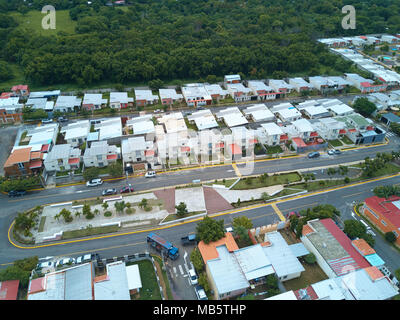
pixel 105 205
pixel 96 211
pixel 143 203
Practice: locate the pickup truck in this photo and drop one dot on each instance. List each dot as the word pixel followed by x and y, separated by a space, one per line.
pixel 190 239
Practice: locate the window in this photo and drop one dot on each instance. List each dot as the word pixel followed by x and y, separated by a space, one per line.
pixel 374 214
pixel 384 223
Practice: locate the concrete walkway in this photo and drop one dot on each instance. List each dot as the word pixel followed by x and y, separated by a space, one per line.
pixel 246 195
pixel 192 197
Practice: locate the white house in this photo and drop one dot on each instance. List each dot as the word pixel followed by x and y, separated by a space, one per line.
pixel 173 122
pixel 204 119
pixel 195 94
pixel 232 78
pixel 109 128
pixel 134 150
pixel 280 86
pixel 259 112
pixel 100 154
pixel 304 129
pixel 300 85
pixel 169 96
pixel 76 133
pixel 272 133
pixel 232 117
pixel 62 157
pixel 142 125
pixel 93 101
pixel 120 100
pixel 67 103
pixel 239 92
pixel 216 92
pixel 261 90
pixel 145 97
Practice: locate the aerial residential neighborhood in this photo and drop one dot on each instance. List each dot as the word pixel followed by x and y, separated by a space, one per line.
pixel 213 152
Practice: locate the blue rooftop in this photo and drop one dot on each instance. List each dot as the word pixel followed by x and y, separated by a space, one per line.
pixel 375 260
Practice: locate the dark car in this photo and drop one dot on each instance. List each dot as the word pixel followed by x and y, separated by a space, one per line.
pixel 313 155
pixel 16 193
pixel 126 189
pixel 109 192
pixel 337 151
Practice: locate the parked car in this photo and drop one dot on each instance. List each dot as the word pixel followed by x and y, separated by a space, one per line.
pixel 313 155
pixel 229 229
pixel 62 119
pixel 109 192
pixel 45 264
pixel 193 277
pixel 150 174
pixel 200 293
pixel 65 261
pixel 337 151
pixel 87 258
pixel 94 182
pixel 126 189
pixel 47 120
pixel 331 152
pixel 17 193
pixel 371 232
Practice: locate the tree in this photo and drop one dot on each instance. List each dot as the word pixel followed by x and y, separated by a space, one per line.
pixel 209 230
pixel 354 229
pixel 242 221
pixel 197 260
pixel 203 281
pixel 387 191
pixel 364 106
pixel 91 173
pixel 119 206
pixel 143 203
pixel 181 209
pixel 242 236
pixel 310 258
pixel 105 205
pixel 264 196
pixel 5 71
pixel 115 169
pixel 390 237
pixel 66 214
pixel 156 84
pixel 87 213
pixel 20 270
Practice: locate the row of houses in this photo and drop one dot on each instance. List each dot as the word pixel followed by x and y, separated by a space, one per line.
pixel 195 95
pixel 360 41
pixel 352 266
pixel 150 141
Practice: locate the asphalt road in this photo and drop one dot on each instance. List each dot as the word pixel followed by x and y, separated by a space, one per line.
pixel 131 243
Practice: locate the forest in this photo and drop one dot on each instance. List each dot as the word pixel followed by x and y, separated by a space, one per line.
pixel 184 39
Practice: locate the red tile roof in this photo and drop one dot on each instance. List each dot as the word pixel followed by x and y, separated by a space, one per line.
pixel 363 247
pixel 19 155
pixel 45 148
pixel 314 134
pixel 352 130
pixel 235 149
pixel 37 285
pixel 209 251
pixel 386 208
pixel 74 160
pixel 284 137
pixel 312 295
pixel 299 142
pixel 19 87
pixel 112 156
pixel 5 95
pixel 9 290
pixel 306 230
pixel 345 242
pixel 149 152
pixel 374 273
pixel 35 164
pixel 342 131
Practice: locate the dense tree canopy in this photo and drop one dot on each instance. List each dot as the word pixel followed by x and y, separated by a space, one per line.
pixel 186 39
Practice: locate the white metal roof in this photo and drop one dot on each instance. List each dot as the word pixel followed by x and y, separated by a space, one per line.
pixel 272 128
pixel 259 112
pixel 133 275
pixel 116 286
pixel 288 295
pixel 281 256
pixel 94 98
pixel 169 94
pixel 204 119
pixel 120 97
pixel 328 290
pixel 145 95
pixel 232 117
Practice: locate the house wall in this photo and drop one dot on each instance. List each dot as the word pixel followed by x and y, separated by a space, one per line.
pixel 290 276
pixel 369 213
pixel 10 117
pixel 15 171
pixel 320 260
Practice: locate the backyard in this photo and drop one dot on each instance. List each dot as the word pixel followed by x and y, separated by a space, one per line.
pixel 312 274
pixel 150 289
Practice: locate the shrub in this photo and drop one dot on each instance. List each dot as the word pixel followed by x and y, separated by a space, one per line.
pixel 390 237
pixel 129 211
pixel 310 258
pixel 148 208
pixel 108 214
pixel 346 180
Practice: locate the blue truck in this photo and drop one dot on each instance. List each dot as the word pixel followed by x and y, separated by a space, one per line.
pixel 163 245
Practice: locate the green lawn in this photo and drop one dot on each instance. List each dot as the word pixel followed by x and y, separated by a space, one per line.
pixel 274 149
pixel 172 217
pixel 165 277
pixel 89 232
pixel 33 22
pixel 150 289
pixel 256 182
pixel 335 143
pixel 346 140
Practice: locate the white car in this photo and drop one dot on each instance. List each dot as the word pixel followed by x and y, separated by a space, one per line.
pixel 94 182
pixel 47 264
pixel 193 277
pixel 150 174
pixel 87 258
pixel 229 229
pixel 331 152
pixel 65 261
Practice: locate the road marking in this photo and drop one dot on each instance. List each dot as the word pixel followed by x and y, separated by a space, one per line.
pixel 237 171
pixel 305 205
pixel 278 212
pixel 311 194
pixel 181 270
pixel 353 194
pixel 175 271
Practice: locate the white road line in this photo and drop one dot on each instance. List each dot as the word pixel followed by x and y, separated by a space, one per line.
pixel 174 270
pixel 181 269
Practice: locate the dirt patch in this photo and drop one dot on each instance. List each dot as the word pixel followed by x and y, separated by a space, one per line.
pixel 160 276
pixel 214 201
